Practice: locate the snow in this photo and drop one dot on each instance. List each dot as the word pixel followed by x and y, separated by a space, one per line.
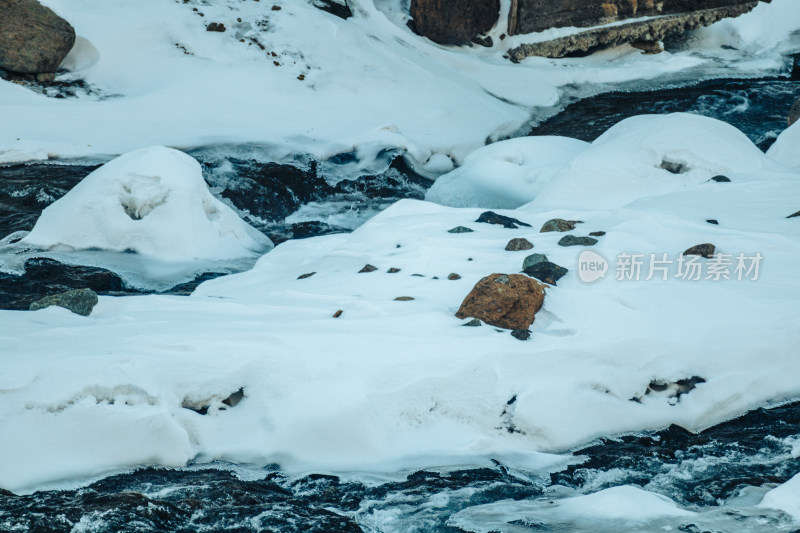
pixel 786 148
pixel 615 509
pixel 153 202
pixel 785 498
pixel 396 384
pixel 157 77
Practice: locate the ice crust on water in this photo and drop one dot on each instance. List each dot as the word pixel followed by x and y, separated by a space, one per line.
pixel 153 202
pixel 389 384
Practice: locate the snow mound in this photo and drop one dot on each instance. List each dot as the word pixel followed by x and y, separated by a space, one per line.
pixel 648 155
pixel 151 201
pixel 785 498
pixel 505 175
pixel 786 149
pixel 621 506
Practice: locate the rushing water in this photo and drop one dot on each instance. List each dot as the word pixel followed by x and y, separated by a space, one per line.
pixel 721 474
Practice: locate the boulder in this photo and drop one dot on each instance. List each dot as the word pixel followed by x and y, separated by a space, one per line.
pixel 794 113
pixel 572 240
pixel 546 271
pixel 515 245
pixel 79 301
pixel 453 21
pixel 33 39
pixel 508 301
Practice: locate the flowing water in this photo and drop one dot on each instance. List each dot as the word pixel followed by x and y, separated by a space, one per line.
pixel 720 474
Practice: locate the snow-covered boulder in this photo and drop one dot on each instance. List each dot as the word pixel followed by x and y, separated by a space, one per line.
pixel 648 155
pixel 506 174
pixel 785 498
pixel 152 201
pixel 786 149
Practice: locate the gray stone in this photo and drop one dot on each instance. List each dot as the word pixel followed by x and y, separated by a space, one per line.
pixel 572 240
pixel 79 301
pixel 704 250
pixel 559 224
pixel 460 229
pixel 453 277
pixel 368 268
pixel 490 217
pixel 474 323
pixel 521 334
pixel 33 39
pixel 721 179
pixel 532 260
pixel 403 299
pixel 518 244
pixel 547 272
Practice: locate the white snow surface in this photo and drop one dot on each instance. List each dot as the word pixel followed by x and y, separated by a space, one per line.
pixel 152 201
pixel 785 497
pixel 157 77
pixel 397 384
pixel 786 148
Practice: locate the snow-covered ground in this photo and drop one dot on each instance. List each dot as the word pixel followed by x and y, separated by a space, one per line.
pixel 393 384
pixel 157 77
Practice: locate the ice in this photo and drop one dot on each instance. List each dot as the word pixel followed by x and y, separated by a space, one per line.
pixel 151 202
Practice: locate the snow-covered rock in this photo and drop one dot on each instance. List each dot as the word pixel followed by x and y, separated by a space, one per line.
pixel 152 201
pixel 786 148
pixel 785 498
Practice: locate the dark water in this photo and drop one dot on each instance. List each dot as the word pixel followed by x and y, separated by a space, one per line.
pixel 697 470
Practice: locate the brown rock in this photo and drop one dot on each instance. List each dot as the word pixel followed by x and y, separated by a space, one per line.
pixel 704 250
pixel 507 301
pixel 33 39
pixel 216 26
pixel 559 224
pixel 368 268
pixel 338 313
pixel 648 47
pixel 403 299
pixel 515 245
pixel 453 276
pixel 393 270
pixel 454 21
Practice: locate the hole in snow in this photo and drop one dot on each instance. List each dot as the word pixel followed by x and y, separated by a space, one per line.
pixel 141 194
pixel 202 407
pixel 674 167
pixel 672 390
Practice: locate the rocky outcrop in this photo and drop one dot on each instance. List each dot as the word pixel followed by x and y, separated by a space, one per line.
pixel 507 301
pixel 33 39
pixel 454 21
pixel 675 17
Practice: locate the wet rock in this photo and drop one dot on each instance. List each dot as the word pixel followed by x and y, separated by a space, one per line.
pixel 572 240
pixel 793 215
pixel 656 20
pixel 393 270
pixel 338 8
pixel 546 271
pixel 33 38
pixel 490 217
pixel 721 179
pixel 460 229
pixel 597 233
pixel 518 244
pixel 474 323
pixel 521 334
pixel 368 268
pixel 532 260
pixel 508 301
pixel 403 299
pixel 79 301
pixel 306 276
pixel 453 21
pixel 713 221
pixel 216 26
pixel 704 250
pixel 453 277
pixel 559 224
pixel 794 113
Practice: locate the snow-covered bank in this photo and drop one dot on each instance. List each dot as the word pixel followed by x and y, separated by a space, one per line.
pixel 300 80
pixel 393 383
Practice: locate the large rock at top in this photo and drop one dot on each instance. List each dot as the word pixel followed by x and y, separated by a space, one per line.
pixel 33 39
pixel 504 300
pixel 454 21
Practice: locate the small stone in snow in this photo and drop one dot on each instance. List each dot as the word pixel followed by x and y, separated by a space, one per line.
pixel 521 334
pixel 713 221
pixel 338 313
pixel 532 260
pixel 79 301
pixel 721 179
pixel 793 215
pixel 572 240
pixel 704 250
pixel 597 233
pixel 216 26
pixel 546 271
pixel 474 323
pixel 368 268
pixel 518 244
pixel 403 299
pixel 306 276
pixel 453 277
pixel 490 217
pixel 559 224
pixel 393 270
pixel 460 229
